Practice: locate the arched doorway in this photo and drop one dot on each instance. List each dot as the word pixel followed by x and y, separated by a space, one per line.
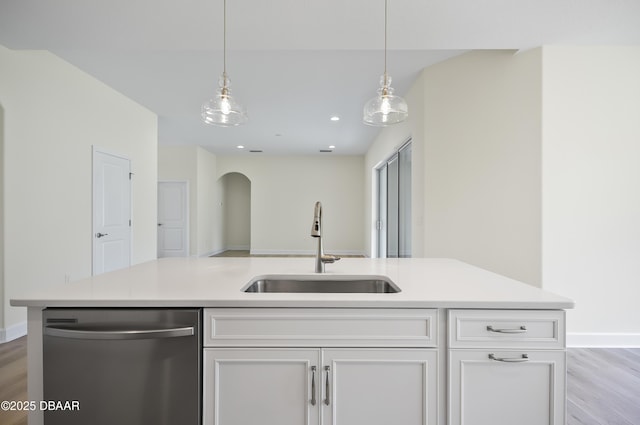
pixel 236 212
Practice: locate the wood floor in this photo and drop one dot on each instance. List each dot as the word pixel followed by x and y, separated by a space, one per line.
pixel 603 384
pixel 13 379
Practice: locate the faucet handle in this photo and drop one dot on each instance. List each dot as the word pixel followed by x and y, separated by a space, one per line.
pixel 328 258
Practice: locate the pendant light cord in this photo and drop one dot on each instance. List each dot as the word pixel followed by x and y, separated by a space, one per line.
pixel 385 41
pixel 224 40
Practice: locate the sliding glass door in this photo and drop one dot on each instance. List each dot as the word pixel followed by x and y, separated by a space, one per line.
pixel 394 205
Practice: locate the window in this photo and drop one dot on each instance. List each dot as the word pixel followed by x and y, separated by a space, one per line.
pixel 394 205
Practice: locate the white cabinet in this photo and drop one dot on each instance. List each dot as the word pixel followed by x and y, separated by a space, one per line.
pixel 332 366
pixel 380 387
pixel 320 386
pixel 504 388
pixel 260 386
pixel 320 367
pixel 514 372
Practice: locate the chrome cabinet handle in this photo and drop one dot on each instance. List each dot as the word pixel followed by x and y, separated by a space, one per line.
pixel 100 333
pixel 520 330
pixel 524 358
pixel 326 386
pixel 313 385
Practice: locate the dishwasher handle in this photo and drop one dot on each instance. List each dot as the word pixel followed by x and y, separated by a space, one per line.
pixel 126 334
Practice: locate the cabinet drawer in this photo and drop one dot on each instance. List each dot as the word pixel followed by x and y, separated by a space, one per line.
pixel 506 329
pixel 291 327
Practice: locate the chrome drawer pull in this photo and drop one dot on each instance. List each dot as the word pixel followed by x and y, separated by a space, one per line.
pixel 524 358
pixel 520 330
pixel 313 385
pixel 326 387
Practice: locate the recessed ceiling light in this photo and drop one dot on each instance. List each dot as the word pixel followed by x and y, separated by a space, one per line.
pixel 335 118
pixel 332 147
pixel 240 147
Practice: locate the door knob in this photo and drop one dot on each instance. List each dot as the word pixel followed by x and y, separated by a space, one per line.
pixel 99 235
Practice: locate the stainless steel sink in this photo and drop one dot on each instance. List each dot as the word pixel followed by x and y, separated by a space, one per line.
pixel 313 284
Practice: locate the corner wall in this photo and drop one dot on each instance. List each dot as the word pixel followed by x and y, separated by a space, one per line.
pixel 207 199
pixel 591 160
pixel 482 154
pixel 2 289
pixel 53 115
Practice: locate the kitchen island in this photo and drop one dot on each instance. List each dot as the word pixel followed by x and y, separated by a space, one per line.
pixel 452 331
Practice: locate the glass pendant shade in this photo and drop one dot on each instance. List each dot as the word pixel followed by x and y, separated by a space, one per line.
pixel 222 110
pixel 385 109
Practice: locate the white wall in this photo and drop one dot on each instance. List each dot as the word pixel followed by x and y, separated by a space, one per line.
pixel 284 191
pixel 482 119
pixel 207 243
pixel 591 169
pixel 197 166
pixel 2 220
pixel 53 114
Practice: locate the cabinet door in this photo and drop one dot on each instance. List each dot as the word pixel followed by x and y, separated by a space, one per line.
pixel 260 386
pixel 379 386
pixel 506 387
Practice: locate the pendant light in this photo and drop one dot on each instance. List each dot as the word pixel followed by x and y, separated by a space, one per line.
pixel 385 109
pixel 222 110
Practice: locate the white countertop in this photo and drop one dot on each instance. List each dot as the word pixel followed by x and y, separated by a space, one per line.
pixel 217 282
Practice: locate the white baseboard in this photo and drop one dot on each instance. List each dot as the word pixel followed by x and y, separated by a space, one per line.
pixel 238 248
pixel 302 252
pixel 603 340
pixel 13 332
pixel 212 253
pixel 220 251
pixel 279 252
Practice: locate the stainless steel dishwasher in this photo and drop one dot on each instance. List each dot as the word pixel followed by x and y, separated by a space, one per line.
pixel 123 366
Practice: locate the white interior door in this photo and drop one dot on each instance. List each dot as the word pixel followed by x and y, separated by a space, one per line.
pixel 111 212
pixel 173 219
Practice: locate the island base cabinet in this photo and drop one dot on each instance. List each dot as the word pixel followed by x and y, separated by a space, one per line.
pixel 320 386
pixel 506 387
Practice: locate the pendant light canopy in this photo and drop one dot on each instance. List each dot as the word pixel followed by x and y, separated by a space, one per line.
pixel 385 109
pixel 222 110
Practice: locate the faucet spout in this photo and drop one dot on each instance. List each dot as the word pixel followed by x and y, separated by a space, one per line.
pixel 316 232
pixel 316 227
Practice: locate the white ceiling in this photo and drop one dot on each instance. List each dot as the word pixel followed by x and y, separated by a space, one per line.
pixel 293 63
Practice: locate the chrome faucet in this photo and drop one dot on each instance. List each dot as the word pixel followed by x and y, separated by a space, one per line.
pixel 316 232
